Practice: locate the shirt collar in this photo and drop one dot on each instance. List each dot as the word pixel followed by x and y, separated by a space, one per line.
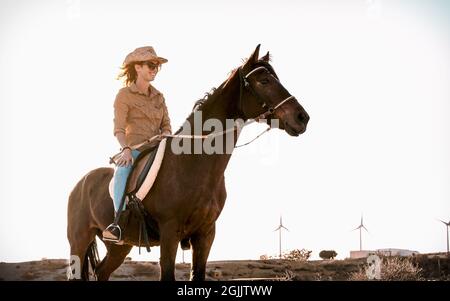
pixel 153 90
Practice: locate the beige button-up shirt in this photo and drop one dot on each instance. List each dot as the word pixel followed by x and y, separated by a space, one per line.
pixel 139 116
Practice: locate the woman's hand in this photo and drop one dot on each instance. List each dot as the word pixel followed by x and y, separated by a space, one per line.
pixel 125 158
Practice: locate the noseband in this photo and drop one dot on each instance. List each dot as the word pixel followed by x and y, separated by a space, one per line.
pixel 245 84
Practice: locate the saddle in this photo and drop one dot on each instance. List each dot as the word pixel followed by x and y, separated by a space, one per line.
pixel 143 174
pixel 144 170
pixel 140 169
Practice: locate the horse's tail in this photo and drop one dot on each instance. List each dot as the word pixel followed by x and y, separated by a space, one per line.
pixel 91 259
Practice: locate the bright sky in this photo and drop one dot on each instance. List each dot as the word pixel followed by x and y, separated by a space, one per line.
pixel 373 75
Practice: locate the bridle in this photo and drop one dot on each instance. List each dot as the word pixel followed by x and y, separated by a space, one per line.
pixel 245 84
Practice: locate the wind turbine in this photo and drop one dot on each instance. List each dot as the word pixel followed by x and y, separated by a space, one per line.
pixel 361 226
pixel 280 227
pixel 447 225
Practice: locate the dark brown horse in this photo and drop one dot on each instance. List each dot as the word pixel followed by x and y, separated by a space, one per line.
pixel 189 192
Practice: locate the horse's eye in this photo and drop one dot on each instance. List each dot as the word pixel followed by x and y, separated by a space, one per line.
pixel 264 81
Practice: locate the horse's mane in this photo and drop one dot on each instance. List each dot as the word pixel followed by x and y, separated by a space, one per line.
pixel 213 94
pixel 209 97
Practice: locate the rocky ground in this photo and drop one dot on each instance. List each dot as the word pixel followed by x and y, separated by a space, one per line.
pixel 434 267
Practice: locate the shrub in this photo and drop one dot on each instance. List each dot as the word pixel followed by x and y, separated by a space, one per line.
pixel 327 254
pixel 400 269
pixel 297 255
pixel 393 269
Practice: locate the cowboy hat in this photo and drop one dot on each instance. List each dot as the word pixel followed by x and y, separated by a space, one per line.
pixel 142 54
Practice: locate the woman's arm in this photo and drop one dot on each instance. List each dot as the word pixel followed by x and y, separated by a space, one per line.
pixel 120 119
pixel 122 139
pixel 166 128
pixel 125 158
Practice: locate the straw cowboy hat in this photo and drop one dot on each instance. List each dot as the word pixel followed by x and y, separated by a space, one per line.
pixel 142 54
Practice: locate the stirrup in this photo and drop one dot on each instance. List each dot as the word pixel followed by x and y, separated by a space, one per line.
pixel 108 235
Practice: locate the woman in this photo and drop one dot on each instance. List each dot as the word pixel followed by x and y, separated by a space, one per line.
pixel 140 113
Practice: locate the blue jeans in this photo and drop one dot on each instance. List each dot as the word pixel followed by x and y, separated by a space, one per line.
pixel 120 180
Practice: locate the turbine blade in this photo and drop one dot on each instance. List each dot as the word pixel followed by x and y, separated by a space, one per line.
pixel 365 229
pixel 357 228
pixel 447 224
pixel 285 228
pixel 279 227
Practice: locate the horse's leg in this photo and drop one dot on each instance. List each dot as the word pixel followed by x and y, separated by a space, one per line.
pixel 79 243
pixel 169 245
pixel 114 258
pixel 201 245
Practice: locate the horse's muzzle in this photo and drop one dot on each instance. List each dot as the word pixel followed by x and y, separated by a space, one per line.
pixel 296 125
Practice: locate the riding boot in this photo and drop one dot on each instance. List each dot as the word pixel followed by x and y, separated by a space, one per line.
pixel 113 232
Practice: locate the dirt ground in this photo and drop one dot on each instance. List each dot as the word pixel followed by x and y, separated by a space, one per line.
pixel 435 267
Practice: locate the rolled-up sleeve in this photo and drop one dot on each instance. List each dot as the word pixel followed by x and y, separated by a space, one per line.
pixel 120 114
pixel 165 123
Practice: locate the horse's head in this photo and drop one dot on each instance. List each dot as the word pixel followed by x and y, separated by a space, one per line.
pixel 263 95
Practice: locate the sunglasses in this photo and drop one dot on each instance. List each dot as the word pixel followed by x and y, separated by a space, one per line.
pixel 151 65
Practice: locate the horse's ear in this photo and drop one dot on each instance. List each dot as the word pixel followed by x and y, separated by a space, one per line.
pixel 266 58
pixel 255 54
pixel 253 57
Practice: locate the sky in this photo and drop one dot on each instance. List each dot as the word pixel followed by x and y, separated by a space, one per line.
pixel 373 76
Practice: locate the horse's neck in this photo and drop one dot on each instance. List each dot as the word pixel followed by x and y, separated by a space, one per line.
pixel 222 107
